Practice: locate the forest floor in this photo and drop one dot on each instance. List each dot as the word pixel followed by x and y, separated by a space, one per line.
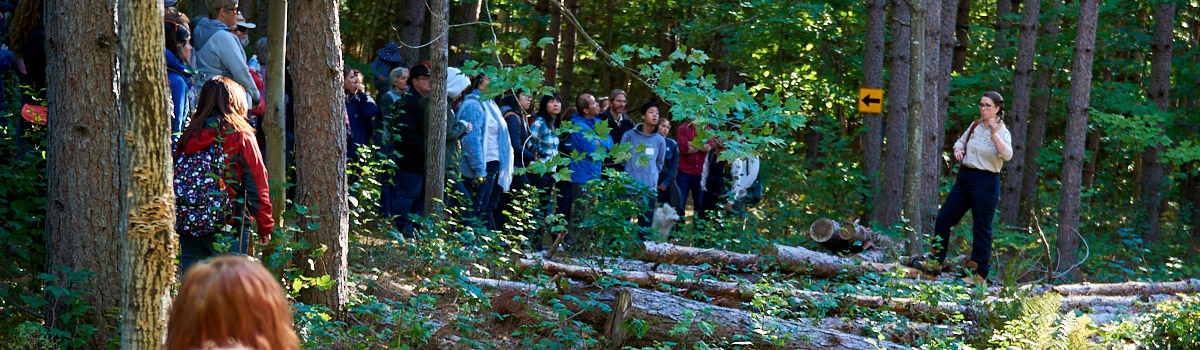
pixel 780 297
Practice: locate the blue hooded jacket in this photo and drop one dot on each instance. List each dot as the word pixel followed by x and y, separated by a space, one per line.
pixel 588 168
pixel 181 82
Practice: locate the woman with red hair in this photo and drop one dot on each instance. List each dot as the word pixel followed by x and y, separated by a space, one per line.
pixel 231 301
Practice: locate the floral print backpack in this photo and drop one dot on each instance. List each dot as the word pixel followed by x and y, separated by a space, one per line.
pixel 202 203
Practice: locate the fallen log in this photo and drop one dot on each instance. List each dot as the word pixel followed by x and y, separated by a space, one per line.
pixel 849 237
pixel 1129 288
pixel 803 260
pixel 642 279
pixel 897 332
pixel 644 266
pixel 676 254
pixel 662 312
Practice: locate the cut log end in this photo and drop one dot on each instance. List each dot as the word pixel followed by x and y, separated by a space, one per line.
pixel 822 230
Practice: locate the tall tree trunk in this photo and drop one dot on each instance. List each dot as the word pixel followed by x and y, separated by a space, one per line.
pixel 148 210
pixel 1037 121
pixel 275 152
pixel 962 32
pixel 607 71
pixel 541 8
pixel 568 51
pixel 551 57
pixel 873 78
pixel 1191 190
pixel 1077 115
pixel 897 115
pixel 1160 88
pixel 934 125
pixel 1022 83
pixel 83 230
pixel 321 151
pixel 435 112
pixel 1089 166
pixel 411 25
pixel 464 36
pixel 1004 8
pixel 916 110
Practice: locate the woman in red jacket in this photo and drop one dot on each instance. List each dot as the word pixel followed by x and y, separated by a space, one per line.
pixel 221 116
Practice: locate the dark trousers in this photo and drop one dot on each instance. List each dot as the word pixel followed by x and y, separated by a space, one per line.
pixel 688 183
pixel 484 196
pixel 194 249
pixel 978 191
pixel 403 197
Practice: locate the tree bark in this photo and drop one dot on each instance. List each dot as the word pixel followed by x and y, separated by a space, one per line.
pixel 275 152
pixel 916 111
pixel 411 25
pixel 1037 121
pixel 148 209
pixel 674 254
pixel 568 51
pixel 873 78
pixel 1022 93
pixel 84 131
pixel 663 311
pixel 551 57
pixel 802 260
pixel 1190 286
pixel 1004 8
pixel 535 58
pixel 935 118
pixel 435 112
pixel 464 36
pixel 1089 165
pixel 897 116
pixel 1160 89
pixel 649 280
pixel 962 27
pixel 321 149
pixel 1077 115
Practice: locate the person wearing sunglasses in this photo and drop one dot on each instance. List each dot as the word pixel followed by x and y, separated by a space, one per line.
pixel 219 52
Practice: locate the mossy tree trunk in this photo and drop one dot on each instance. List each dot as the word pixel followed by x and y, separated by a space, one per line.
pixel 148 208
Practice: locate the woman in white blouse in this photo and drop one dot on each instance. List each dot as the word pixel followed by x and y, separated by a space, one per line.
pixel 982 149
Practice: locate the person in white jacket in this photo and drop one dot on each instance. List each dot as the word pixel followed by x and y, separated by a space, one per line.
pixel 742 172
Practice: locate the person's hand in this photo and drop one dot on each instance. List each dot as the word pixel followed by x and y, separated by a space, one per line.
pixel 660 188
pixel 992 124
pixel 958 154
pixel 264 239
pixel 360 88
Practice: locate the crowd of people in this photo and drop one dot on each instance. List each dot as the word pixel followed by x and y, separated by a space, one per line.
pixel 489 138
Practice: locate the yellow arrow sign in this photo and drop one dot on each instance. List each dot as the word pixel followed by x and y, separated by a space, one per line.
pixel 870 100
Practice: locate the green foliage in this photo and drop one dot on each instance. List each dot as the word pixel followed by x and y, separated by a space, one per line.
pixel 1037 324
pixel 1177 325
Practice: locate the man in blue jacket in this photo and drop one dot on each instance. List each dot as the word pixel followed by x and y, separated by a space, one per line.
pixel 591 147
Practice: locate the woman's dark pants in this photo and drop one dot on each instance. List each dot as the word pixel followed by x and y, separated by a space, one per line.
pixel 978 191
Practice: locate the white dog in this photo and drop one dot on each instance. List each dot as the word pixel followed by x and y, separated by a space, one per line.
pixel 664 220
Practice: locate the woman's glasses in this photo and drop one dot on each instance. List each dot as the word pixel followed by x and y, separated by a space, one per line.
pixel 985 106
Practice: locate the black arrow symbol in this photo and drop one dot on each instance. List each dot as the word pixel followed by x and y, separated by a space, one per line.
pixel 867 100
